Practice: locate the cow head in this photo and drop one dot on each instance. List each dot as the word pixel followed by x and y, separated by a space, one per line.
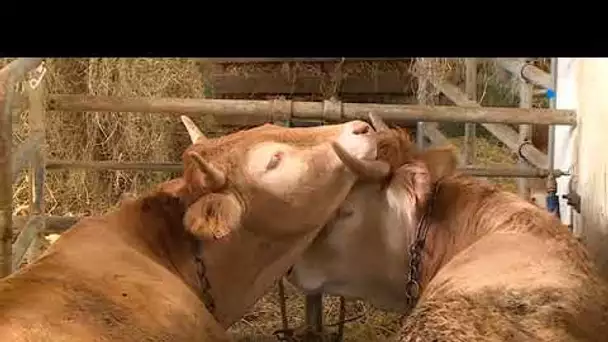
pixel 273 180
pixel 363 251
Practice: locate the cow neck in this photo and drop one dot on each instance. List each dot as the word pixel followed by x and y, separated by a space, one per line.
pixel 243 266
pixel 166 240
pixel 466 209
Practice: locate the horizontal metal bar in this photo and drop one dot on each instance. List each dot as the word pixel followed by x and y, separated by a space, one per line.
pixel 58 224
pixel 269 111
pixel 507 172
pixel 304 59
pixel 53 224
pixel 175 167
pixel 109 165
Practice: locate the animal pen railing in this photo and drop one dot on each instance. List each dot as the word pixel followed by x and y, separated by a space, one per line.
pixel 467 110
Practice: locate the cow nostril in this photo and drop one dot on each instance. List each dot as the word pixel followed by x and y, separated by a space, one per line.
pixel 361 128
pixel 289 271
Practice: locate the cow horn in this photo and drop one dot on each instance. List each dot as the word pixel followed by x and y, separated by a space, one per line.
pixel 366 169
pixel 378 123
pixel 194 132
pixel 215 177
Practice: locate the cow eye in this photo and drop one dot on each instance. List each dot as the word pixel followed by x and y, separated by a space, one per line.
pixel 345 211
pixel 274 161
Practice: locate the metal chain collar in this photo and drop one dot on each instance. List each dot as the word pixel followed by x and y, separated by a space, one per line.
pixel 202 276
pixel 412 287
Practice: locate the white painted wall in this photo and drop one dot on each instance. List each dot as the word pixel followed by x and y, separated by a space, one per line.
pixel 589 96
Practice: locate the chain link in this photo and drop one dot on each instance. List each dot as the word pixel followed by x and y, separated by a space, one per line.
pixel 412 287
pixel 205 284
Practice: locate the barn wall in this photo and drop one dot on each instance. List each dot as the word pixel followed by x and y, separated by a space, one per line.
pixel 592 155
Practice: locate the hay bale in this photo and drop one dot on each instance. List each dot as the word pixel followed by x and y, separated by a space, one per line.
pixel 129 137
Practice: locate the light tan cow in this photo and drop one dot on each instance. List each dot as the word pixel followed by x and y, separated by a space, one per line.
pixel 494 267
pixel 187 260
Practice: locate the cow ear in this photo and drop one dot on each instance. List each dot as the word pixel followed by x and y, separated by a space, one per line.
pixel 415 178
pixel 440 161
pixel 213 216
pixel 176 187
pixel 412 183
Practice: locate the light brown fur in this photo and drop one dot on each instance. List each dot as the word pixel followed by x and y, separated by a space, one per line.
pixel 499 269
pixel 495 267
pixel 126 276
pixel 132 275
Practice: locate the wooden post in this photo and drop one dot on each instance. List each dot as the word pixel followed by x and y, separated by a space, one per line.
pixel 469 128
pixel 37 125
pixel 525 101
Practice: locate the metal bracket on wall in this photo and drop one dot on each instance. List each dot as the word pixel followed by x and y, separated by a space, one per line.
pixel 574 200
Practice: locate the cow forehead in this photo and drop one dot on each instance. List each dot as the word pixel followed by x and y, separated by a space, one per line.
pixel 236 145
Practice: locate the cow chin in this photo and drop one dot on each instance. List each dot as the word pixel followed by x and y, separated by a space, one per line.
pixel 308 280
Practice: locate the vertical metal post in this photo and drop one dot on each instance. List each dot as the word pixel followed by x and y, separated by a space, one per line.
pixel 551 142
pixel 525 132
pixel 36 120
pixel 6 174
pixel 470 128
pixel 552 199
pixel 422 93
pixel 10 74
pixel 313 306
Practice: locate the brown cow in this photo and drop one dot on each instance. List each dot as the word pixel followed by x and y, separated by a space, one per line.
pixel 494 267
pixel 152 270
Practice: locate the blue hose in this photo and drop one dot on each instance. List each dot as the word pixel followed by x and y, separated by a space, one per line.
pixel 553 203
